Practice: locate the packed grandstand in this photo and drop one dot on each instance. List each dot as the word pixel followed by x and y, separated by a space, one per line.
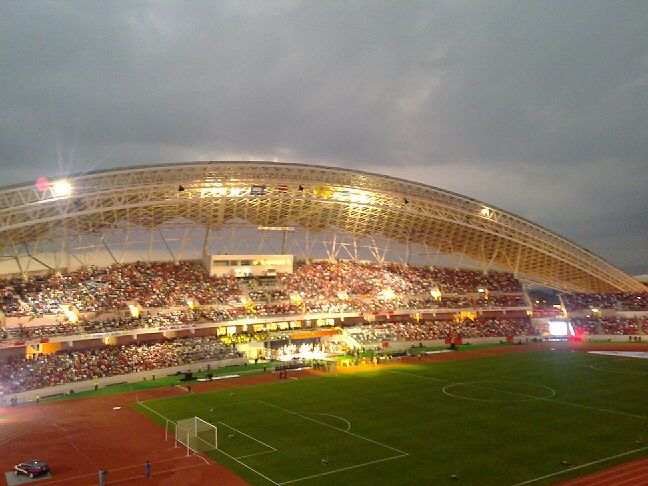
pixel 392 303
pixel 66 324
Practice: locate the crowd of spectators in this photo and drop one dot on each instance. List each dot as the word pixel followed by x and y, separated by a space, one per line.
pixel 151 284
pixel 624 301
pixel 609 325
pixel 320 287
pixel 167 284
pixel 622 326
pixel 165 320
pixel 585 325
pixel 68 367
pixel 436 329
pixel 325 279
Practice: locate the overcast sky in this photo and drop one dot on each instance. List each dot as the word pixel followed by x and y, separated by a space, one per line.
pixel 540 108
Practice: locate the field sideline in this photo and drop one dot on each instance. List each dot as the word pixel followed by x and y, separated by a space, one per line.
pixel 525 418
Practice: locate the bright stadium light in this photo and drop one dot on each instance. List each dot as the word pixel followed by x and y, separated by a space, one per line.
pixel 216 190
pixel 486 212
pixel 386 294
pixel 134 310
pixel 70 314
pixel 360 198
pixel 61 188
pixel 355 196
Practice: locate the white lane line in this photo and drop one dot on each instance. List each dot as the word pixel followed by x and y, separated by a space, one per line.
pixel 138 465
pixel 631 475
pixel 159 473
pixel 17 432
pixel 609 473
pixel 581 466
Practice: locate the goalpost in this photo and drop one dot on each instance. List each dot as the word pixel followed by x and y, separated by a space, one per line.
pixel 196 435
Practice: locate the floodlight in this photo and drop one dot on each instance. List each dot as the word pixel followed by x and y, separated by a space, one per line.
pixel 386 294
pixel 360 198
pixel 134 310
pixel 486 212
pixel 61 188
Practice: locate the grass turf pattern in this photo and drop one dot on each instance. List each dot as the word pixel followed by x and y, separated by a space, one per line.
pixel 504 419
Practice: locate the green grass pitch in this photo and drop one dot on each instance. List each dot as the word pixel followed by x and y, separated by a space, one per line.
pixel 528 418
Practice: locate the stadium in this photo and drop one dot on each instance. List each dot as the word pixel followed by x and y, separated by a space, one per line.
pixel 274 323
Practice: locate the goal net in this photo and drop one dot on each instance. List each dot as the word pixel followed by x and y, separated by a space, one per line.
pixel 196 434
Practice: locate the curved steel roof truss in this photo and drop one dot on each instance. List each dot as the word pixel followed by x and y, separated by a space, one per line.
pixel 315 198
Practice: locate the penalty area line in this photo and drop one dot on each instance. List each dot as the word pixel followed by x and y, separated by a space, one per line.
pixel 575 468
pixel 401 453
pixel 249 437
pixel 175 423
pixel 219 450
pixel 248 467
pixel 255 454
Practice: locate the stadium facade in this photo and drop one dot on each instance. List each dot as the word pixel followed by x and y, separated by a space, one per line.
pixel 182 211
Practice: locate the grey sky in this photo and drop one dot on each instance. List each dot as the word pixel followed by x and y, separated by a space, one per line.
pixel 540 108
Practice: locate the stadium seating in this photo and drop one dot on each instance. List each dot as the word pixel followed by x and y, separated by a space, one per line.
pixel 624 301
pixel 320 287
pixel 156 284
pixel 67 367
pixel 609 325
pixel 430 330
pixel 314 287
pixel 326 279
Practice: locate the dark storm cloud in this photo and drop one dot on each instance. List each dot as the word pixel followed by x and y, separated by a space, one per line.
pixel 537 107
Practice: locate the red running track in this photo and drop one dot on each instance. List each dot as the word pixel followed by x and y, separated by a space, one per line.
pixel 633 473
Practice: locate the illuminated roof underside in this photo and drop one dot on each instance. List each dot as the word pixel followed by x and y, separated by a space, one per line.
pixel 314 197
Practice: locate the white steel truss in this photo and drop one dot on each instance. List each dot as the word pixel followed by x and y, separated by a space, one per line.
pixel 314 199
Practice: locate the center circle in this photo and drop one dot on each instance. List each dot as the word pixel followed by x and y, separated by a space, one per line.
pixel 509 391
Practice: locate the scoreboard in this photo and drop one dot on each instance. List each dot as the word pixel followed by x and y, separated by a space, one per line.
pixel 248 265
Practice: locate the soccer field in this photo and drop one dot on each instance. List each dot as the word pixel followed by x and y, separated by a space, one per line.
pixel 526 418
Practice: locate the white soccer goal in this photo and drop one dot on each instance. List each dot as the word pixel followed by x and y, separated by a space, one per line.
pixel 196 435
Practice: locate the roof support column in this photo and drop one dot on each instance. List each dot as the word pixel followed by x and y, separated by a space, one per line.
pixel 206 240
pixel 173 257
pixel 110 252
pixel 16 257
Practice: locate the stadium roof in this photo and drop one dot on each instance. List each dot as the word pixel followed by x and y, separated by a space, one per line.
pixel 316 198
